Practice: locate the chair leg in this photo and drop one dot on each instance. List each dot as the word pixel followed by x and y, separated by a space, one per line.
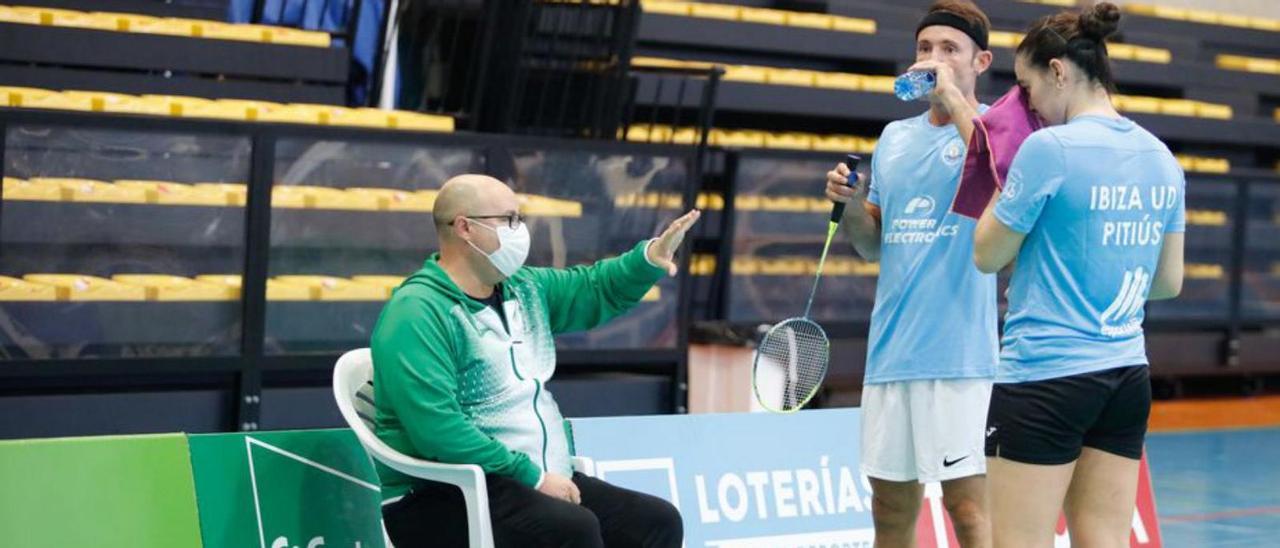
pixel 386 538
pixel 479 529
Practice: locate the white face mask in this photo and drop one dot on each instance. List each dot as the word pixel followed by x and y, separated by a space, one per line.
pixel 513 248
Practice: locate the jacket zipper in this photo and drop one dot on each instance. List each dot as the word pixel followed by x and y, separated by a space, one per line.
pixel 537 391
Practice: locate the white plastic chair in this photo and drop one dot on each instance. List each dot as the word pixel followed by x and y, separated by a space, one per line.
pixel 353 390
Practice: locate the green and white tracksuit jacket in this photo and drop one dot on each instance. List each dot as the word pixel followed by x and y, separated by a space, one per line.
pixel 452 385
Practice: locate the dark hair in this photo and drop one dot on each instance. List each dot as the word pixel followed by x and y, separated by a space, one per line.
pixel 1077 36
pixel 966 10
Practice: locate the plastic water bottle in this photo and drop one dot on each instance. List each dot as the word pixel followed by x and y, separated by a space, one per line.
pixel 914 85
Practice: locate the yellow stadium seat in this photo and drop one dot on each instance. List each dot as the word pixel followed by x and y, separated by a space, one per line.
pixel 1233 20
pixel 10 14
pixel 55 101
pixel 853 24
pixel 417 121
pixel 789 77
pixel 1003 39
pixel 362 117
pixel 1248 64
pixel 90 190
pixel 77 287
pixel 1152 55
pixel 386 283
pixel 1213 165
pixel 12 96
pixel 745 73
pixel 296 114
pixel 121 103
pixel 1133 103
pixel 794 141
pixel 838 80
pixel 667 8
pixel 685 136
pixel 1121 51
pixel 1177 107
pixel 236 194
pixel 231 31
pixel 291 197
pixel 545 206
pixel 1264 23
pixel 763 16
pixel 836 143
pixel 1215 111
pixel 392 199
pixel 709 202
pixel 329 288
pixel 877 84
pixel 167 26
pixel 229 109
pixel 77 19
pixel 1203 16
pixel 13 289
pixel 810 20
pixel 164 287
pixel 649 134
pixel 297 37
pixel 276 290
pixel 170 193
pixel 127 22
pixel 338 198
pixel 18 189
pixel 714 11
pixel 742 139
pixel 230 281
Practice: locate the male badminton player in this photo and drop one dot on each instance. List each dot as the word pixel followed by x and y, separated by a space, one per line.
pixel 933 344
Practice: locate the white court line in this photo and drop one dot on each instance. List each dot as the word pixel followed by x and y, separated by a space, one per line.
pixel 315 464
pixel 253 478
pixel 253 482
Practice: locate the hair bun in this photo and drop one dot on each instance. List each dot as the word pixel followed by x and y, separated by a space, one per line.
pixel 1100 21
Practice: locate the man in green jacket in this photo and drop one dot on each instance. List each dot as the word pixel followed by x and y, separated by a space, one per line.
pixel 461 355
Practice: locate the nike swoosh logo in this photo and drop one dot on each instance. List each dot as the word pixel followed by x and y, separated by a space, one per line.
pixel 948 463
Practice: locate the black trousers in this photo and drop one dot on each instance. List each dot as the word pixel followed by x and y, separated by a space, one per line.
pixel 434 515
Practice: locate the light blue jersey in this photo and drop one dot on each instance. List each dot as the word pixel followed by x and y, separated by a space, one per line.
pixel 1095 198
pixel 935 313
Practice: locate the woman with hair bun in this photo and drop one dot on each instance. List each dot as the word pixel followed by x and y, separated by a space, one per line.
pixel 1093 210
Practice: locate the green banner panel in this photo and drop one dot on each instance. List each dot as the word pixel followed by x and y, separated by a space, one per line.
pixel 303 489
pixel 106 492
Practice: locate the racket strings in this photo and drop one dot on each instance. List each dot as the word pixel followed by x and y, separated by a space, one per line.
pixel 800 350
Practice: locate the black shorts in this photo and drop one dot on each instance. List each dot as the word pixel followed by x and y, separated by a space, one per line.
pixel 1049 421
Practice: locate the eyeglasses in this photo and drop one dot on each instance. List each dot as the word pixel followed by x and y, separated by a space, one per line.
pixel 514 220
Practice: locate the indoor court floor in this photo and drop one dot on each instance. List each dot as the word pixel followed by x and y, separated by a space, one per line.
pixel 1217 487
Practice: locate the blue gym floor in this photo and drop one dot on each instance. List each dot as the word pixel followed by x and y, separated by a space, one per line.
pixel 1217 488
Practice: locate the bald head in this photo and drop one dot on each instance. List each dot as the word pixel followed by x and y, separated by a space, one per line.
pixel 470 195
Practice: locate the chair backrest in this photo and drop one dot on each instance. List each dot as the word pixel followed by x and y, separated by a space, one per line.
pixel 353 391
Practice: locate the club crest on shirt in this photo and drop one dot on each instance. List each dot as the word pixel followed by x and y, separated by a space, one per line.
pixel 953 152
pixel 1012 185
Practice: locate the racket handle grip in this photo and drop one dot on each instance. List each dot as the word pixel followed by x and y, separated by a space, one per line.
pixel 851 162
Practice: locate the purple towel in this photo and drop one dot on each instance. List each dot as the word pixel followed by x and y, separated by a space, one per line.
pixel 996 138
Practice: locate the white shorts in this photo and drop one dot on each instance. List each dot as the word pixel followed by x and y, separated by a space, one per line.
pixel 929 430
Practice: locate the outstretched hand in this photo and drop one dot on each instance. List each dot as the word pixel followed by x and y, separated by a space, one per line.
pixel 662 251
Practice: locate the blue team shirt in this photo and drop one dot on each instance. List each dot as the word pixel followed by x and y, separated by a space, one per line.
pixel 1095 198
pixel 935 313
